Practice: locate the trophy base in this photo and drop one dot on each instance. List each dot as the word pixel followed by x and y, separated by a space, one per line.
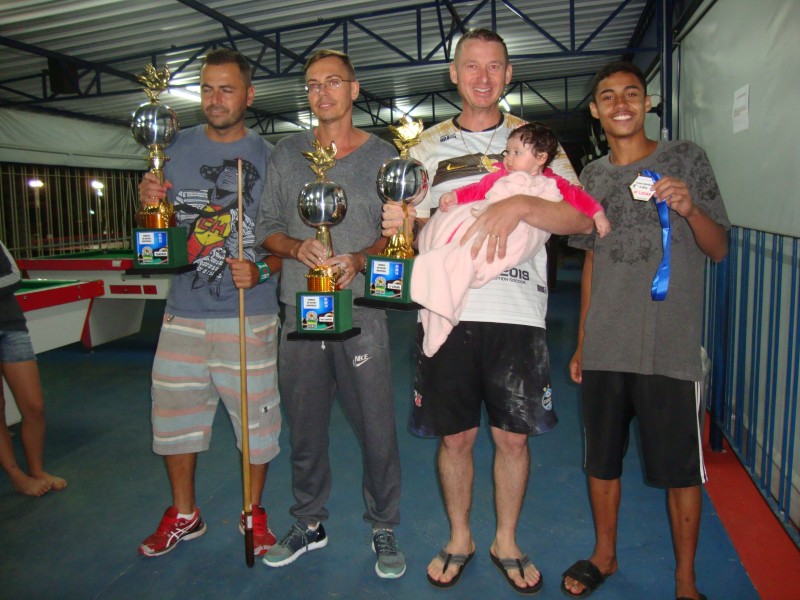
pixel 299 336
pixel 388 282
pixel 324 315
pixel 386 304
pixel 160 249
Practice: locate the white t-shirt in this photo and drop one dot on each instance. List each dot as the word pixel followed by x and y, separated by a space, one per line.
pixel 454 158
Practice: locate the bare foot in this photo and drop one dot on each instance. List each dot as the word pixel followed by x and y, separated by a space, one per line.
pixel 532 574
pixel 30 486
pixel 56 483
pixel 435 566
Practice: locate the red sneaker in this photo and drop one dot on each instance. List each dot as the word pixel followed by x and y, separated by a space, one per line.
pixel 263 538
pixel 172 530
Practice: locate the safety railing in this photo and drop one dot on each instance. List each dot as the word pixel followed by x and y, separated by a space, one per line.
pixel 752 331
pixel 47 210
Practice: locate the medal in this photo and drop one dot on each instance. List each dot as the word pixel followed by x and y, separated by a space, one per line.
pixel 642 188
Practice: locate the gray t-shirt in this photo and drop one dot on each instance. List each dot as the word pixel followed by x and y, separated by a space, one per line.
pixel 625 330
pixel 288 171
pixel 205 194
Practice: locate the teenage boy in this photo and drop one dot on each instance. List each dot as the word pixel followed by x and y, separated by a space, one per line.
pixel 638 356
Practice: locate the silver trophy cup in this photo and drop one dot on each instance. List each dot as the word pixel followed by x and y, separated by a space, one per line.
pixel 322 204
pixel 403 179
pixel 154 125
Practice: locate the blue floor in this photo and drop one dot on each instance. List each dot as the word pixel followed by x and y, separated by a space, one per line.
pixel 81 543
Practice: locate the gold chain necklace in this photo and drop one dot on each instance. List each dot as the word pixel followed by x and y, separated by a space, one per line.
pixel 484 162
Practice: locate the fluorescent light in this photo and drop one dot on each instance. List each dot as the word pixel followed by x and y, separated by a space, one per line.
pixel 185 93
pixel 505 105
pixel 97 185
pixel 35 183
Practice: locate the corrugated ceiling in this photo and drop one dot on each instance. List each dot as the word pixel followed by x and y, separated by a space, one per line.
pixel 400 50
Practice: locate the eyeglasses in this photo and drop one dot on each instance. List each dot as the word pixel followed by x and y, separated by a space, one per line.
pixel 334 83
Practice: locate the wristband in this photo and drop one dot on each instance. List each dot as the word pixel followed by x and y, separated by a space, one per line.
pixel 363 270
pixel 263 271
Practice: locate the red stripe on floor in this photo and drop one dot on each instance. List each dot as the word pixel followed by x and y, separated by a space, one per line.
pixel 768 554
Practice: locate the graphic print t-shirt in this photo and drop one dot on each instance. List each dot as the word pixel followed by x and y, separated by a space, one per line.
pixel 204 175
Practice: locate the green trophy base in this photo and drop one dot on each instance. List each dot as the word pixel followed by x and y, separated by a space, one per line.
pixel 160 249
pixel 327 315
pixel 388 284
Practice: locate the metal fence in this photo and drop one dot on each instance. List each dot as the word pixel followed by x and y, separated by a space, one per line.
pixel 752 330
pixel 46 210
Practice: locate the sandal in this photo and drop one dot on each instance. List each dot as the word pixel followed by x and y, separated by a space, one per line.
pixel 505 564
pixel 459 560
pixel 587 574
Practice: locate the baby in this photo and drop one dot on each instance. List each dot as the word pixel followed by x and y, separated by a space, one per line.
pixel 530 148
pixel 444 271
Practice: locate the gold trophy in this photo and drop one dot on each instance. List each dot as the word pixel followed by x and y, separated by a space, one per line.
pixel 323 310
pixel 405 180
pixel 322 205
pixel 158 242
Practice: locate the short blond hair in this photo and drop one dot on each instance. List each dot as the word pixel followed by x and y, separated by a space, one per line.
pixel 485 35
pixel 327 53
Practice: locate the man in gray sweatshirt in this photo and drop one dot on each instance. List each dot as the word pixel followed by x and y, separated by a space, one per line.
pixel 358 368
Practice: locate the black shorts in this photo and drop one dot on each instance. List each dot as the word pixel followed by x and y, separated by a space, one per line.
pixel 507 367
pixel 668 415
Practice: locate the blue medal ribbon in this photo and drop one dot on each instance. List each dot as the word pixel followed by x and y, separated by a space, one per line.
pixel 658 291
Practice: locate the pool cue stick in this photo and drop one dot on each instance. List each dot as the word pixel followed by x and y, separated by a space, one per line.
pixel 248 513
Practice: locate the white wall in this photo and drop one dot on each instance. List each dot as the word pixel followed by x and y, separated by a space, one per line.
pixel 741 42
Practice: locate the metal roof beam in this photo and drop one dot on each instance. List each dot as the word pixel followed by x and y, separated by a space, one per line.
pixel 243 29
pixel 301 59
pixel 456 19
pixel 447 40
pixel 536 26
pixel 382 40
pixel 603 25
pixel 406 57
pixel 94 66
pixel 89 67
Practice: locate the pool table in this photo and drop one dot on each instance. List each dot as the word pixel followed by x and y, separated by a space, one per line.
pixel 57 313
pixel 118 313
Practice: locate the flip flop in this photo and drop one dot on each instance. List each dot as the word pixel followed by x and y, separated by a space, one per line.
pixel 460 560
pixel 587 574
pixel 505 564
